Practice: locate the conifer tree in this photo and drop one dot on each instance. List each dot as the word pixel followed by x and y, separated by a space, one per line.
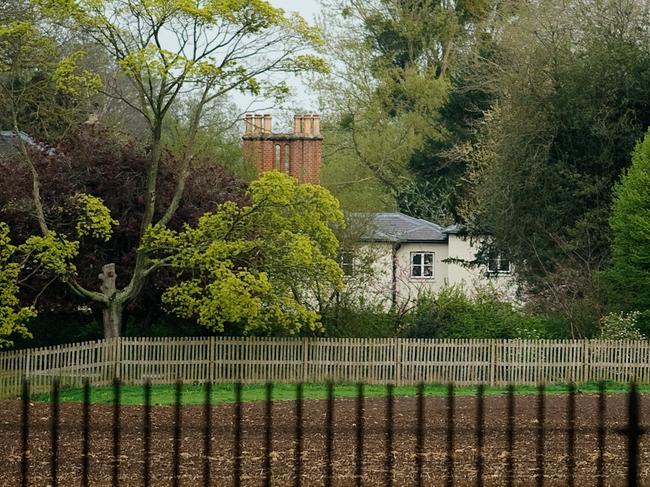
pixel 629 274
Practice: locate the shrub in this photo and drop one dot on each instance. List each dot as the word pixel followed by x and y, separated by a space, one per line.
pixel 620 326
pixel 454 314
pixel 629 273
pixel 358 321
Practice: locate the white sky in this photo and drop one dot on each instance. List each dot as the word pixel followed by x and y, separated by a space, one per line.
pixel 301 97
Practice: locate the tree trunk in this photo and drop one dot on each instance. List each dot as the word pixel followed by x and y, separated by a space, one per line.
pixel 112 315
pixel 112 312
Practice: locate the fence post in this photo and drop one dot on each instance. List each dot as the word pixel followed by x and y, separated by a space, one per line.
pixel 493 362
pixel 584 376
pixel 117 357
pixel 305 359
pixel 398 362
pixel 28 364
pixel 211 354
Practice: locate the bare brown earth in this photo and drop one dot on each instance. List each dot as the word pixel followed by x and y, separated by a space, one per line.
pixel 314 414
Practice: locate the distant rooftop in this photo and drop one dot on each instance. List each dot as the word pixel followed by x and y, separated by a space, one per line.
pixel 398 227
pixel 9 140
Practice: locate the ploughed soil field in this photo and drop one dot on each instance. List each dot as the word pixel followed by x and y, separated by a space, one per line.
pixel 464 450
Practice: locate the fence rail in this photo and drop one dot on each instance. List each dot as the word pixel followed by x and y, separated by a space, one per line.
pixel 300 360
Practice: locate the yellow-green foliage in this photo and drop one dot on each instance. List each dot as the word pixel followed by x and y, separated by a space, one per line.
pixel 13 318
pixel 146 58
pixel 25 47
pixel 69 79
pixel 265 265
pixel 94 218
pixel 53 252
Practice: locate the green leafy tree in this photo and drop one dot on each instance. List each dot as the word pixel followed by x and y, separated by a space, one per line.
pixel 13 318
pixel 629 273
pixel 269 265
pixel 53 253
pixel 569 83
pixel 170 50
pixel 396 98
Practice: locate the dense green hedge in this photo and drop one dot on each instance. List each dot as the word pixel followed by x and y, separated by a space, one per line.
pixel 453 314
pixel 449 314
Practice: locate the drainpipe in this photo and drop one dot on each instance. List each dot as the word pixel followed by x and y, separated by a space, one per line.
pixel 396 247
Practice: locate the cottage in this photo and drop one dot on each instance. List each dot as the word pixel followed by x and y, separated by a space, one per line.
pixel 394 257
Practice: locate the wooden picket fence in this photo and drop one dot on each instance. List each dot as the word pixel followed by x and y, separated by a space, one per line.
pixel 317 360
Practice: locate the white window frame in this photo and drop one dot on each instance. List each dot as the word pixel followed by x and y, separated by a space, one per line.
pixel 351 262
pixel 422 265
pixel 496 271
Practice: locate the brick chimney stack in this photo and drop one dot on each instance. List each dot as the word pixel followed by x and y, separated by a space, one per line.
pixel 297 154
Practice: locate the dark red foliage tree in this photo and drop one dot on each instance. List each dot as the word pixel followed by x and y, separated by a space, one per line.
pixel 112 167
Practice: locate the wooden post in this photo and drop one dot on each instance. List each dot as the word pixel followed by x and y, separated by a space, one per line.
pixel 493 363
pixel 305 359
pixel 398 362
pixel 584 376
pixel 117 357
pixel 28 363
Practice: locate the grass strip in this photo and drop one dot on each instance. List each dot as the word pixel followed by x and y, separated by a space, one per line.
pixel 163 394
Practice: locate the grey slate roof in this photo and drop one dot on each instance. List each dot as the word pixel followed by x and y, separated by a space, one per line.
pixel 398 227
pixel 9 140
pixel 453 229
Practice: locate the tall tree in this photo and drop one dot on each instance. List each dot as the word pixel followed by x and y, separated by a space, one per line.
pixel 569 82
pixel 628 275
pixel 96 160
pixel 167 50
pixel 270 264
pixel 394 93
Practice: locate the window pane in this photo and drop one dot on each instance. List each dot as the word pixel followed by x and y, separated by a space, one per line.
pixel 416 271
pixel 287 155
pixel 276 164
pixel 417 259
pixel 347 262
pixel 493 265
pixel 428 258
pixel 428 270
pixel 504 265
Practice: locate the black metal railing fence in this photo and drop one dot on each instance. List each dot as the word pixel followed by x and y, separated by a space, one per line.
pixel 632 433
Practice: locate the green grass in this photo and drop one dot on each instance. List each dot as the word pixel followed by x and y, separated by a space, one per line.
pixel 224 393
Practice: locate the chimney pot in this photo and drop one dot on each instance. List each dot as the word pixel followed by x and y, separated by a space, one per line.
pixel 316 125
pixel 268 124
pixel 258 124
pixel 297 124
pixel 248 124
pixel 309 129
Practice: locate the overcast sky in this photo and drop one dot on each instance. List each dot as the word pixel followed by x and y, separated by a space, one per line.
pixel 306 8
pixel 309 10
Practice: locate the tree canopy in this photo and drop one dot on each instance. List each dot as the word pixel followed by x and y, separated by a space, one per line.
pixel 172 54
pixel 568 82
pixel 628 275
pixel 268 264
pixel 13 317
pixel 396 101
pixel 97 161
